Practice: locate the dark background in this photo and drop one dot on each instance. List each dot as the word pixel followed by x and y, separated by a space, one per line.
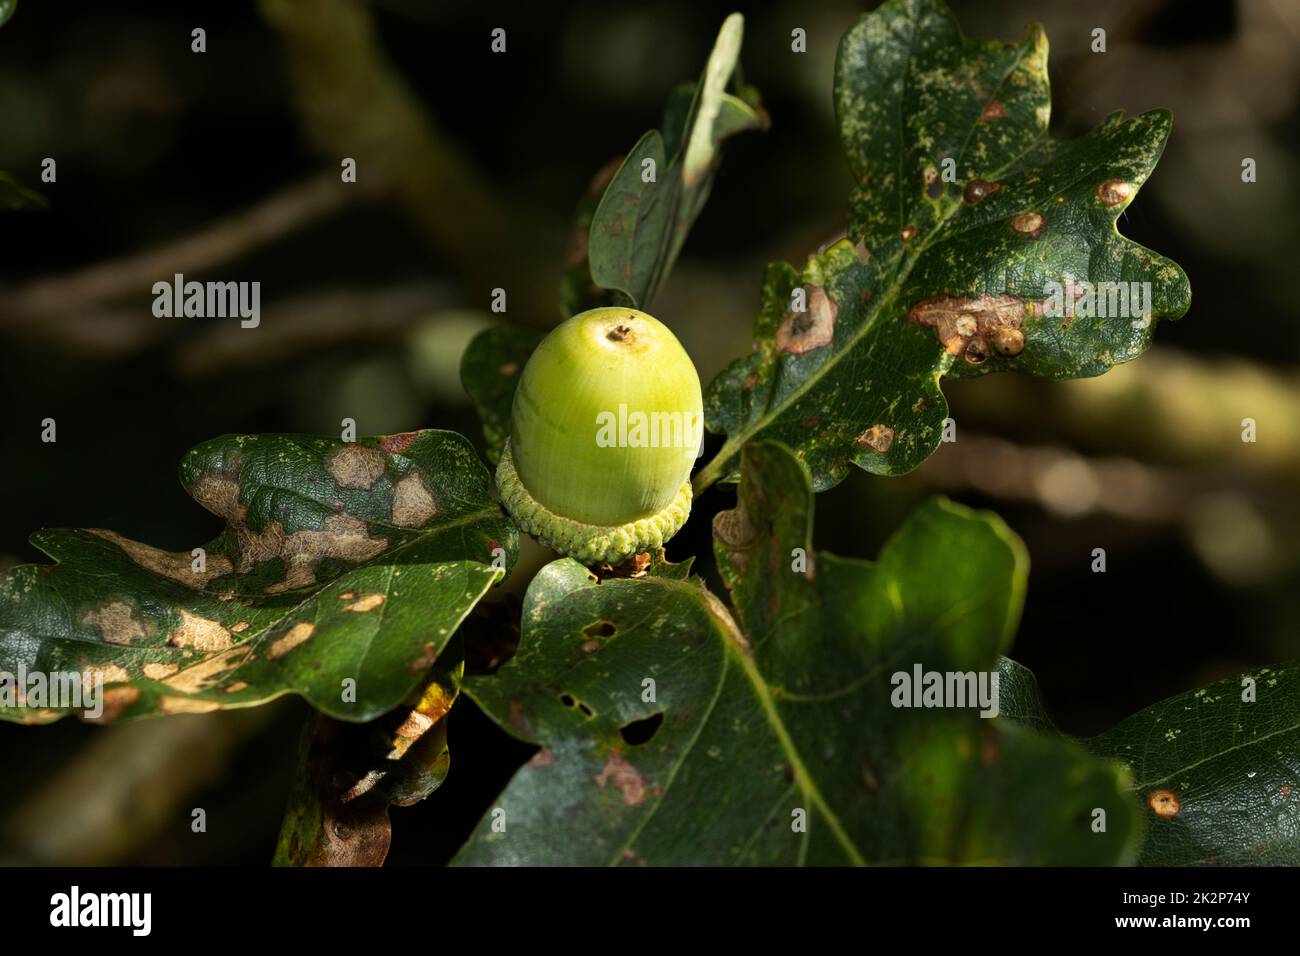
pixel 368 297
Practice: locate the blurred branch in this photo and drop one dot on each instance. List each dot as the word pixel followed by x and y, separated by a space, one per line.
pixel 355 104
pixel 1244 530
pixel 119 792
pixel 70 308
pixel 1168 407
pixel 313 321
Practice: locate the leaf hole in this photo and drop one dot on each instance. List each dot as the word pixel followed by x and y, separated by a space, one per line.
pixel 641 731
pixel 600 629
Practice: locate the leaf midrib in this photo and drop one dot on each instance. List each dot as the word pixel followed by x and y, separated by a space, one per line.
pixel 731 447
pixel 734 641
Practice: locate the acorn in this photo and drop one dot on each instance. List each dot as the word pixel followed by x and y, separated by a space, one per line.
pixel 606 426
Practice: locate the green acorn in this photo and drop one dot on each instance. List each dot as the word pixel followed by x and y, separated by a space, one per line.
pixel 606 426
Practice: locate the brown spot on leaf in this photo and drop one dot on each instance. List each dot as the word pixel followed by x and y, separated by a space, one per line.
pixel 298 634
pixel 804 331
pixel 116 700
pixel 933 182
pixel 878 437
pixel 750 381
pixel 977 190
pixel 543 758
pixel 367 602
pixel 1164 803
pixel 209 671
pixel 235 688
pixel 187 705
pixel 1114 191
pixel 116 622
pixel 1028 224
pixel 413 505
pixel 200 633
pixel 908 232
pixel 239 628
pixel 1008 342
pixel 737 532
pixel 993 109
pixel 425 658
pixel 108 673
pixel 174 565
pixel 623 775
pixel 340 536
pixel 967 324
pixel 397 444
pixel 158 670
pixel 357 466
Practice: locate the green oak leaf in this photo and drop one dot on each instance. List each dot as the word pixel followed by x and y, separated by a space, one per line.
pixel 350 774
pixel 1231 766
pixel 339 561
pixel 1018 697
pixel 7 8
pixel 990 271
pixel 639 227
pixel 490 371
pixel 783 711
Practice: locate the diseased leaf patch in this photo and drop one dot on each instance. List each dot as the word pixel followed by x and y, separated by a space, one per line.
pixel 946 278
pixel 650 701
pixel 340 562
pixel 1217 771
pixel 350 774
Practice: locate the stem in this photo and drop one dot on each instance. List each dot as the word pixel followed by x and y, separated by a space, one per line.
pixel 711 472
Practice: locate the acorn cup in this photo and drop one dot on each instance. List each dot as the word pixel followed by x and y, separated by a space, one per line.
pixel 606 426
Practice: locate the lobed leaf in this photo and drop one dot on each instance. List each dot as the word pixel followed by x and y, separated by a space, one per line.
pixel 673 732
pixel 986 272
pixel 340 561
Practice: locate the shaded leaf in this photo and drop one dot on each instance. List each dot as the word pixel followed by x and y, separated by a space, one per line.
pixel 339 561
pixel 786 710
pixel 1217 777
pixel 490 371
pixel 639 227
pixel 945 278
pixel 578 292
pixel 1018 698
pixel 349 775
